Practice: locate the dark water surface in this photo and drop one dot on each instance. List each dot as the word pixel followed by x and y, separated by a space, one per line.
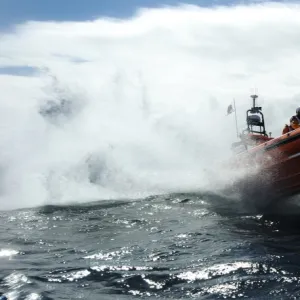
pixel 167 247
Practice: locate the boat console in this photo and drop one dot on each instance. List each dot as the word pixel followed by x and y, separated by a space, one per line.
pixel 255 133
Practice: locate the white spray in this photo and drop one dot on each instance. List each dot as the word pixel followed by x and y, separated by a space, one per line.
pixel 128 108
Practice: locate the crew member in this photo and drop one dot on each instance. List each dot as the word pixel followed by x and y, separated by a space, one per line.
pixel 294 122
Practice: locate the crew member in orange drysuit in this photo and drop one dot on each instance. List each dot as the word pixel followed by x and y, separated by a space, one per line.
pixel 294 122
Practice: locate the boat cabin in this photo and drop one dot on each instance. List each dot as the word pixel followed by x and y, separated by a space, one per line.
pixel 255 133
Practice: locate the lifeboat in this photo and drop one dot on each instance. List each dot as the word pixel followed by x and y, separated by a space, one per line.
pixel 274 163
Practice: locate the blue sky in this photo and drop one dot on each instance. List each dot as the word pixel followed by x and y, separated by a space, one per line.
pixel 17 11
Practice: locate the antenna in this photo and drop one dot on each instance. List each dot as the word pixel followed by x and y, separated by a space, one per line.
pixel 236 124
pixel 254 97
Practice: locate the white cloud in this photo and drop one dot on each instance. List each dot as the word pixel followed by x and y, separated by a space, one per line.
pixel 148 95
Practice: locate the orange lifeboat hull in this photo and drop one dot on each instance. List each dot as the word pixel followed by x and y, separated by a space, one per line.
pixel 277 163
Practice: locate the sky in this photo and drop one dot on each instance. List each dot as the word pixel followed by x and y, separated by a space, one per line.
pixel 144 97
pixel 16 11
